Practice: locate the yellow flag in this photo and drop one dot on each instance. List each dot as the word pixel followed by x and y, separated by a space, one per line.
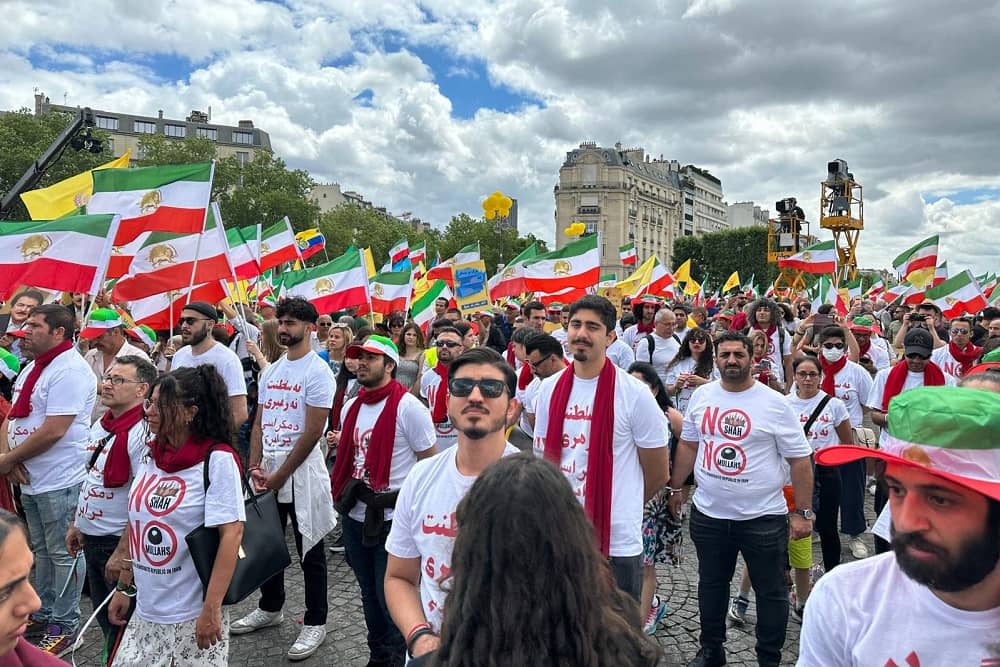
pixel 639 278
pixel 369 262
pixel 683 273
pixel 68 195
pixel 692 286
pixel 420 287
pixel 732 282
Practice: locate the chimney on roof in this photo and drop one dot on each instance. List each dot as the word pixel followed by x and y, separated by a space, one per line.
pixel 160 113
pixel 245 124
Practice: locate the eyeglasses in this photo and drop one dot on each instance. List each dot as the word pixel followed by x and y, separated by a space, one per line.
pixel 699 341
pixel 191 320
pixel 462 387
pixel 148 404
pixel 833 346
pixel 324 324
pixel 447 343
pixel 959 332
pixel 805 375
pixel 118 381
pixel 536 364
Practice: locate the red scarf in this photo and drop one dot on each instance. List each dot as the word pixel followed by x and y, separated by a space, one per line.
pixel 863 349
pixel 644 328
pixel 829 371
pixel 191 453
pixel 769 331
pixel 511 359
pixel 761 377
pixel 117 468
pixel 524 376
pixel 439 414
pixel 600 457
pixel 967 358
pixel 380 445
pixel 22 406
pixel 933 377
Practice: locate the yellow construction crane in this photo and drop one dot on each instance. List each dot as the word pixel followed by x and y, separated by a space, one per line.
pixel 783 235
pixel 841 210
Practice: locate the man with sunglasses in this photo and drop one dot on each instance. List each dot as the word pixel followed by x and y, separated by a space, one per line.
pixel 385 432
pixel 959 355
pixel 480 405
pixel 118 444
pixel 434 384
pixel 916 370
pixel 544 355
pixel 195 324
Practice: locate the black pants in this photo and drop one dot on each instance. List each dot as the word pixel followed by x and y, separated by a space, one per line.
pixel 272 593
pixel 852 498
pixel 97 550
pixel 827 507
pixel 764 544
pixel 628 574
pixel 881 546
pixel 385 643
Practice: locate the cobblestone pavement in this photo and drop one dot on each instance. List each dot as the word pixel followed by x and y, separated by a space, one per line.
pixel 345 644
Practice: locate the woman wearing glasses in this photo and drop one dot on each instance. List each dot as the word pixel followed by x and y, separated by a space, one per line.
pixel 177 621
pixel 693 366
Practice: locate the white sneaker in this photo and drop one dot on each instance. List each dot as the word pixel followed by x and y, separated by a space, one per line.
pixel 309 640
pixel 858 548
pixel 256 620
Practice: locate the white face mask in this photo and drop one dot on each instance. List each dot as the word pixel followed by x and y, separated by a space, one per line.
pixel 833 355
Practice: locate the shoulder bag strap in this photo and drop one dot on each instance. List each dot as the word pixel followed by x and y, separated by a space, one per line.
pixel 815 414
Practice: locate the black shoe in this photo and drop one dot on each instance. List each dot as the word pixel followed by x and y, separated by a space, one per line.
pixel 709 658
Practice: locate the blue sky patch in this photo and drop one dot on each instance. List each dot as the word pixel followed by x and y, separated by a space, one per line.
pixel 963 197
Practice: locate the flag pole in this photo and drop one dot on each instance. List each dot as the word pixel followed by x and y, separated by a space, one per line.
pixel 197 247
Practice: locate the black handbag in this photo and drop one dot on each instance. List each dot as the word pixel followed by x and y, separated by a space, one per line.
pixel 262 553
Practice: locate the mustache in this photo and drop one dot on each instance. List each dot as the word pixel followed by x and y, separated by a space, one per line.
pixel 580 341
pixel 903 540
pixel 474 406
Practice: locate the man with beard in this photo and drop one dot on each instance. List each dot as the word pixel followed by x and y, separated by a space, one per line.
pixel 645 310
pixel 936 598
pixel 745 439
pixel 20 308
pixel 481 404
pixel 959 355
pixel 434 384
pixel 294 397
pixel 604 430
pixel 196 322
pixel 385 432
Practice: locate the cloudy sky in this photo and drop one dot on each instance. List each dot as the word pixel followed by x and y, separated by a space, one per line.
pixel 430 106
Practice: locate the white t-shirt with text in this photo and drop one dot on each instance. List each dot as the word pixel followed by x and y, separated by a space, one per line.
pixel 683 395
pixel 776 351
pixel 950 365
pixel 823 431
pixel 100 510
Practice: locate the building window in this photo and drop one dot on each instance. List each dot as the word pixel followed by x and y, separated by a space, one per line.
pixel 687 216
pixel 143 127
pixel 242 138
pixel 208 133
pixel 107 123
pixel 242 157
pixel 176 131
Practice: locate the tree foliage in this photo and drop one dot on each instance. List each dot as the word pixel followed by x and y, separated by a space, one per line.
pixel 715 256
pixel 464 230
pixel 24 137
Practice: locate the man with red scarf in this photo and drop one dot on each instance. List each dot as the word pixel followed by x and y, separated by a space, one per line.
pixel 602 427
pixel 959 355
pixel 386 430
pixel 48 427
pixel 434 384
pixel 118 445
pixel 916 370
pixel 645 310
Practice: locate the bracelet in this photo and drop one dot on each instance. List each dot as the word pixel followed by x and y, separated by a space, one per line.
pixel 414 636
pixel 673 490
pixel 409 635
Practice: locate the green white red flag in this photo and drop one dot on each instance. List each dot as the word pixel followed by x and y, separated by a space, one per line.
pixel 335 285
pixel 418 254
pixel 278 245
pixel 853 288
pixel 628 254
pixel 825 292
pixel 607 280
pixel 510 281
pixel 70 254
pixel 577 264
pixel 172 198
pixel 940 274
pixel 818 258
pixel 916 264
pixel 661 282
pixel 160 311
pixel 391 292
pixel 875 290
pixel 170 261
pixel 243 251
pixel 423 308
pixel 958 296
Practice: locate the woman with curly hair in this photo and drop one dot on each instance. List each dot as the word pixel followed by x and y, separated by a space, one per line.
pixel 178 621
pixel 529 585
pixel 693 366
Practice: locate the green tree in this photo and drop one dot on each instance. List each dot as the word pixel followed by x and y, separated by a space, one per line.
pixel 24 137
pixel 465 230
pixel 158 149
pixel 362 227
pixel 715 256
pixel 265 190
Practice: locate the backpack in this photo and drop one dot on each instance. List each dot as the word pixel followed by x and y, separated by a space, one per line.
pixel 652 344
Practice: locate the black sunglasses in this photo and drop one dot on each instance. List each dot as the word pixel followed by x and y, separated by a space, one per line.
pixel 536 364
pixel 833 346
pixel 462 387
pixel 191 320
pixel 446 343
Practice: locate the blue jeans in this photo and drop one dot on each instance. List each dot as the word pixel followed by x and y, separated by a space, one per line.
pixel 764 544
pixel 48 516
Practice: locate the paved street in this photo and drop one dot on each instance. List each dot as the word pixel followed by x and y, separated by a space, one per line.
pixel 345 645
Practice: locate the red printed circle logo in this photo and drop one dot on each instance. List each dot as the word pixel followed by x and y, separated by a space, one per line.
pixel 730 459
pixel 159 543
pixel 735 424
pixel 166 496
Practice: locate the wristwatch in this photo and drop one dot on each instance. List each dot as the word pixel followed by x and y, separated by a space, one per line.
pixel 806 514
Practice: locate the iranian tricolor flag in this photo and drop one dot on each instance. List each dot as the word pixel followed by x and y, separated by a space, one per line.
pixel 510 281
pixel 875 290
pixel 940 274
pixel 391 291
pixel 916 265
pixel 607 280
pixel 278 245
pixel 170 261
pixel 819 258
pixel 852 288
pixel 566 296
pixel 69 254
pixel 335 285
pixel 442 271
pixel 661 282
pixel 826 293
pixel 958 296
pixel 171 198
pixel 577 264
pixel 748 289
pixel 423 308
pixel 160 311
pixel 243 246
pixel 628 254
